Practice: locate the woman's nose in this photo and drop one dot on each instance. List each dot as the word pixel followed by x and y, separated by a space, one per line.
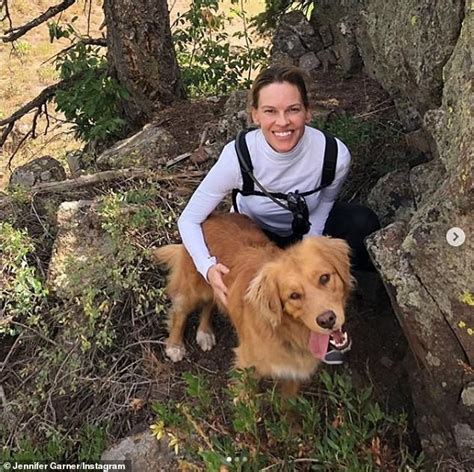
pixel 282 119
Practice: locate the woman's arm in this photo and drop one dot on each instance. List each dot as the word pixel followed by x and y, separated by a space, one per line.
pixel 221 179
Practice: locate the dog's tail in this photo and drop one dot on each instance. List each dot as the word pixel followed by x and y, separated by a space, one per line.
pixel 168 255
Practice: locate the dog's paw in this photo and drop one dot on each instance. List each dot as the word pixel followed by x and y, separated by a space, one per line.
pixel 205 340
pixel 175 353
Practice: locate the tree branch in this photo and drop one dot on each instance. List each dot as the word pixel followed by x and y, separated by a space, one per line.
pixel 40 104
pixel 45 95
pixel 6 16
pixel 13 34
pixel 86 41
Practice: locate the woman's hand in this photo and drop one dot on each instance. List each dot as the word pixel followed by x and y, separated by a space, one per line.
pixel 214 276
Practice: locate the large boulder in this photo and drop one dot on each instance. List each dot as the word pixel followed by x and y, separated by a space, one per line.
pixel 429 280
pixel 406 43
pixel 151 147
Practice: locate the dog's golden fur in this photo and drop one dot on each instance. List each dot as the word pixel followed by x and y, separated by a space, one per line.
pixel 274 295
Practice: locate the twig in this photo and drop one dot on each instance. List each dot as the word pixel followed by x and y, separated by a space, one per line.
pixel 6 16
pixel 10 352
pixel 13 33
pixel 86 41
pixel 197 428
pixel 42 336
pixel 177 159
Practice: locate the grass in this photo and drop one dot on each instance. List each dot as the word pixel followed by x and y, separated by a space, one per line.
pixel 241 428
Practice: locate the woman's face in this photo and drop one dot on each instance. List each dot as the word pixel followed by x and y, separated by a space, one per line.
pixel 281 115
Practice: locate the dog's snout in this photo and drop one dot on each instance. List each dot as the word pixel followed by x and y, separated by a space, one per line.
pixel 326 320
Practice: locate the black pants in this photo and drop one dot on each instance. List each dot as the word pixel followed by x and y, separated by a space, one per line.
pixel 348 221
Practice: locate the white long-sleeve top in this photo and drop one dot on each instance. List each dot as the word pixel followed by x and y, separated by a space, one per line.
pixel 299 169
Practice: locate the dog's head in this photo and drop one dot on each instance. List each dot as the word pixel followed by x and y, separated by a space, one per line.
pixel 309 281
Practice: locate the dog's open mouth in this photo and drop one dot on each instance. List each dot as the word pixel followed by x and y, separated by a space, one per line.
pixel 319 343
pixel 339 339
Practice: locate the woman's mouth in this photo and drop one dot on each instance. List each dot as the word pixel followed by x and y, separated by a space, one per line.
pixel 282 134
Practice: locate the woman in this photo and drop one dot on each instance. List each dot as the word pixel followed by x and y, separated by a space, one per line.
pixel 287 156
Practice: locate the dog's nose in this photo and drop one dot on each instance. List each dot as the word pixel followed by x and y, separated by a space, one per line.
pixel 326 320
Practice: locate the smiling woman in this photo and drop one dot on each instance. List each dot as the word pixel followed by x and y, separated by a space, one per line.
pixel 298 170
pixel 281 114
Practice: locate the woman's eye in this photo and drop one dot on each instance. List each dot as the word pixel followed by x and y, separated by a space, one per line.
pixel 295 296
pixel 295 110
pixel 324 279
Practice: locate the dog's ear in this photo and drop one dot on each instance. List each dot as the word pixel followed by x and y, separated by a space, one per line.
pixel 263 294
pixel 339 255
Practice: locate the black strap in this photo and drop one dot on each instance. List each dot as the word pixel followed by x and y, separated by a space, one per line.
pixel 330 161
pixel 246 168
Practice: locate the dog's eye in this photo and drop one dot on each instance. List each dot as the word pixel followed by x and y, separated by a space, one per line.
pixel 295 295
pixel 324 279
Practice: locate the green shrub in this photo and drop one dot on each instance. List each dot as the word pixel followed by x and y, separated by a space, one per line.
pixel 208 63
pixel 341 428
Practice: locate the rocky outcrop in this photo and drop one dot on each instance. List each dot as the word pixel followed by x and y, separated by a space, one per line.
pixel 421 53
pixel 429 280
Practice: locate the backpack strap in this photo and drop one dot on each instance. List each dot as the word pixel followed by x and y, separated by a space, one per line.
pixel 246 168
pixel 245 163
pixel 330 161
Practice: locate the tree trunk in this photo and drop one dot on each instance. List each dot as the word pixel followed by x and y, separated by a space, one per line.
pixel 141 56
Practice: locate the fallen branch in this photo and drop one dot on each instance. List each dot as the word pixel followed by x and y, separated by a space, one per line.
pixel 14 33
pixel 107 176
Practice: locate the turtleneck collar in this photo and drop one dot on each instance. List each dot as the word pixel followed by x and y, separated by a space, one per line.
pixel 281 156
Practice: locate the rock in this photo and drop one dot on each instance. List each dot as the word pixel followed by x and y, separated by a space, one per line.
pixel 294 37
pixel 326 35
pixel 392 198
pixel 40 170
pixel 80 239
pixel 235 119
pixel 145 453
pixel 309 61
pixel 408 114
pixel 278 57
pixel 467 395
pixel 406 44
pixel 418 141
pixel 464 436
pixel 346 45
pixel 425 180
pixel 151 147
pixel 386 362
pixel 237 102
pixel 327 58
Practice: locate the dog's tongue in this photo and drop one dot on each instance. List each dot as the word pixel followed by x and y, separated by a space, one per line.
pixel 318 344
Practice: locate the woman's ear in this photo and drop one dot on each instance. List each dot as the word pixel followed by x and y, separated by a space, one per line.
pixel 254 114
pixel 309 116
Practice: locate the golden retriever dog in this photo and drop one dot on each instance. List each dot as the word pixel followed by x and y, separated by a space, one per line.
pixel 283 303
